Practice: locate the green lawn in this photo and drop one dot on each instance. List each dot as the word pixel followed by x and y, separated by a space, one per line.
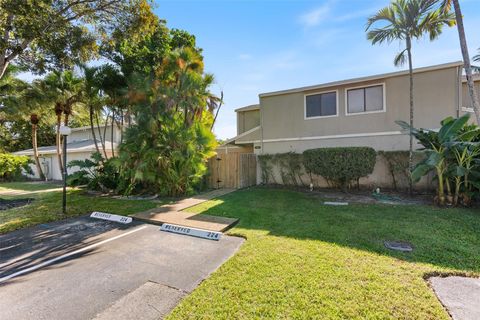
pixel 47 207
pixel 304 260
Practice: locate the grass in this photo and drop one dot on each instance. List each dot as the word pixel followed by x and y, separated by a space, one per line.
pixel 304 260
pixel 46 207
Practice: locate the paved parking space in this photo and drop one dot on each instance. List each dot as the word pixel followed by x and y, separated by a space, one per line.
pixel 112 264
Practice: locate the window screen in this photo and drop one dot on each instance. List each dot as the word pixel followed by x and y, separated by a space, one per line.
pixel 365 99
pixel 321 105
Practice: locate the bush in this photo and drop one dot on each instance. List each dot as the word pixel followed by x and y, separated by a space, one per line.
pixel 11 166
pixel 289 164
pixel 96 172
pixel 340 166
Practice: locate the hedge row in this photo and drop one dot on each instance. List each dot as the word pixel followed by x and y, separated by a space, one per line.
pixel 339 166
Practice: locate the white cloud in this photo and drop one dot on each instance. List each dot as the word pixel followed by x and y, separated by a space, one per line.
pixel 316 16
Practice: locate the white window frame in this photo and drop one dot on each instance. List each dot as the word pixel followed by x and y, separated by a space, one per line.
pixel 364 87
pixel 317 93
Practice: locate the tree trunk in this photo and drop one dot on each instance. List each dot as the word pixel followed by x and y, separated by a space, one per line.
pixel 35 152
pixel 3 67
pixel 59 143
pixel 410 150
pixel 101 138
pixel 466 59
pixel 94 135
pixel 111 134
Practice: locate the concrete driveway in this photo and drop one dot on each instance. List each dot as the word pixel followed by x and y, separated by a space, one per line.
pixel 102 270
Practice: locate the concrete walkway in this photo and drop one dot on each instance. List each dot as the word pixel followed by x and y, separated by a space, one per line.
pixel 172 213
pixel 460 295
pixel 12 192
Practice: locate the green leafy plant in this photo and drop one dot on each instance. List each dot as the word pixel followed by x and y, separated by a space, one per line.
pixel 266 167
pixel 12 166
pixel 340 166
pixel 452 153
pixel 290 165
pixel 96 172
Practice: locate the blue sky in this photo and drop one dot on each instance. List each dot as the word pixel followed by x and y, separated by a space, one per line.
pixel 259 46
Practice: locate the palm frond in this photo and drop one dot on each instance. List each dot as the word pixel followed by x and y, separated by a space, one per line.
pixel 400 58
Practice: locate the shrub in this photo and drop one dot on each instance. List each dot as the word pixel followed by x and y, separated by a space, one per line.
pixel 11 166
pixel 96 172
pixel 164 156
pixel 266 166
pixel 340 166
pixel 289 164
pixel 397 162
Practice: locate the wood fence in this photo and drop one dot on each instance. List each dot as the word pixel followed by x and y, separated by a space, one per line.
pixel 232 170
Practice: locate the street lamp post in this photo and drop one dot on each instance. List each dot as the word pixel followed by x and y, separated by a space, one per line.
pixel 64 131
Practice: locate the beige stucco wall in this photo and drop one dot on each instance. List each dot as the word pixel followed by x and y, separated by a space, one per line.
pixel 436 97
pixel 466 101
pixel 247 120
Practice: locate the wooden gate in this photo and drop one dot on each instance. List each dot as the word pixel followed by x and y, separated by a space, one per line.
pixel 232 170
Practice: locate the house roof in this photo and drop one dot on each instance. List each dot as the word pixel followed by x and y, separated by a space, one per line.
pixel 248 108
pixel 72 147
pixel 362 79
pixel 254 131
pixel 89 128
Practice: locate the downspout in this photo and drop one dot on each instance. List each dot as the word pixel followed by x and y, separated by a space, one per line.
pixel 459 90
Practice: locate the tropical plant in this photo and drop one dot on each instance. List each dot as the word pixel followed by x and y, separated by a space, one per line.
pixel 63 91
pixel 407 20
pixel 96 172
pixel 452 153
pixel 11 166
pixel 446 6
pixel 167 147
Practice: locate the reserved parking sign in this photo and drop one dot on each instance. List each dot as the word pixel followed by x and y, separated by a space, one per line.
pixel 206 234
pixel 110 217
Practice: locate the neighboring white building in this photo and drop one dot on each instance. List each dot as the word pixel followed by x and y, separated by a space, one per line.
pixel 80 146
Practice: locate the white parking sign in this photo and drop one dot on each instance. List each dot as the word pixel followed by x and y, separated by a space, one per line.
pixel 110 217
pixel 206 234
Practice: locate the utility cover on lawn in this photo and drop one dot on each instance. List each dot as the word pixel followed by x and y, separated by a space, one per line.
pixel 398 246
pixel 206 234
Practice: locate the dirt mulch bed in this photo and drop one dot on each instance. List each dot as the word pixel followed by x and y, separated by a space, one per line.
pixel 8 204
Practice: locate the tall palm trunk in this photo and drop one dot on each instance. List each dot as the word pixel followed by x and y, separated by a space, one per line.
pixel 94 135
pixel 410 150
pixel 59 143
pixel 466 59
pixel 35 151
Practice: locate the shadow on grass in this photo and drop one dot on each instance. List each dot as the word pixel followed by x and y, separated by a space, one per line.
pixel 447 238
pixel 23 249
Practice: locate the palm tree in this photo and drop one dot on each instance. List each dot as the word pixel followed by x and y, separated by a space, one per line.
pixel 406 20
pixel 63 91
pixel 446 6
pixel 34 120
pixel 92 99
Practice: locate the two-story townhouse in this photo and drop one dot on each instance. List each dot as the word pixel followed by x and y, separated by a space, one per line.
pixel 353 112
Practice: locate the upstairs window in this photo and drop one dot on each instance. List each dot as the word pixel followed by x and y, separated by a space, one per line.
pixel 321 105
pixel 364 100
